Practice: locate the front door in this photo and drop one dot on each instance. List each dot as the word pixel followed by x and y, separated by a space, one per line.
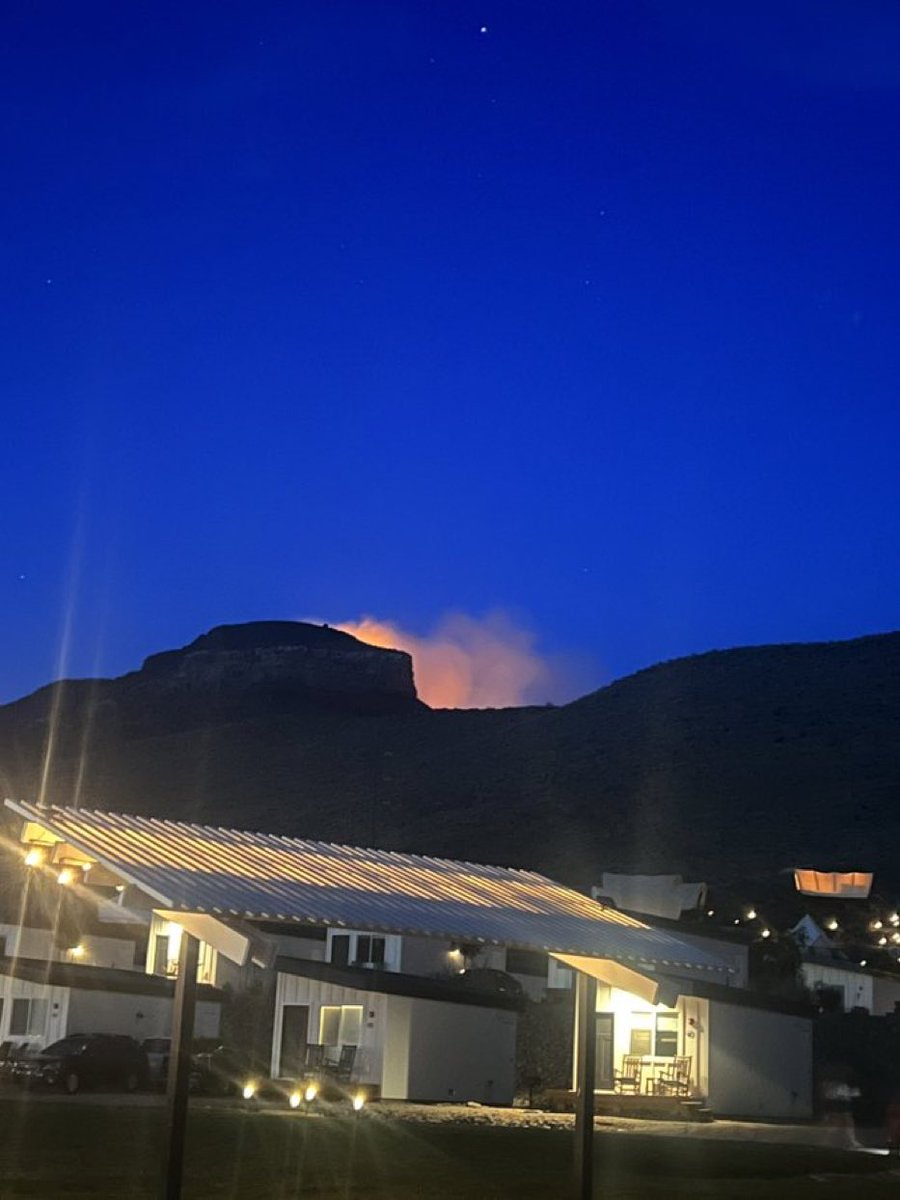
pixel 603 1071
pixel 294 1030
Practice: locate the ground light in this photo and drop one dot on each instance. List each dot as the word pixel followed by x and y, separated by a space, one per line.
pixel 295 1099
pixel 249 1091
pixel 310 1094
pixel 359 1102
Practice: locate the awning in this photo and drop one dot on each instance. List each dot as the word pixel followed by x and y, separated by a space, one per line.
pixel 234 876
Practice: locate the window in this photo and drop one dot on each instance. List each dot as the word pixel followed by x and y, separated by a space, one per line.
pixel 340 1024
pixel 370 950
pixel 340 949
pixel 28 1016
pixel 666 1035
pixel 357 949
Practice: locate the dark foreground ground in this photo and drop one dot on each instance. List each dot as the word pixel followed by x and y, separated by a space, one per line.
pixel 83 1150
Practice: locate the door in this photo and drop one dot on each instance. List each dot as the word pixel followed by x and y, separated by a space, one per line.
pixel 603 1071
pixel 294 1032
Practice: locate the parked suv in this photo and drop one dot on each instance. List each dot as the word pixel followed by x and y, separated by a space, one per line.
pixel 86 1060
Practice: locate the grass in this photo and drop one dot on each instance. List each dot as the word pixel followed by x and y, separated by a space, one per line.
pixel 79 1151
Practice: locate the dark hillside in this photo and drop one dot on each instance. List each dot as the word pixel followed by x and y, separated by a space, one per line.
pixel 725 764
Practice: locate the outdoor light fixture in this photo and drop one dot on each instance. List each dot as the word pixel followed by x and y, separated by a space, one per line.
pixel 294 1099
pixel 359 1101
pixel 34 857
pixel 766 933
pixel 66 876
pixel 882 941
pixel 249 1091
pixel 77 951
pixel 832 924
pixel 877 925
pixel 711 912
pixel 751 914
pixel 311 1092
pixel 863 961
pixel 894 919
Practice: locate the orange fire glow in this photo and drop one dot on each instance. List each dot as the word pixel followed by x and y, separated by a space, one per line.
pixel 466 662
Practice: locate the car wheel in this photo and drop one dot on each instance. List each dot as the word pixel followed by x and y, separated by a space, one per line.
pixel 71 1083
pixel 132 1081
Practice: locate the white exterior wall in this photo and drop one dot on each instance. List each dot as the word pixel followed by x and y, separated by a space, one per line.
pixel 25 942
pixel 138 1016
pixel 856 987
pixel 395 1073
pixel 460 1052
pixel 28 943
pixel 760 1063
pixel 414 1049
pixel 82 1010
pixel 57 1010
pixel 630 1011
pixel 294 989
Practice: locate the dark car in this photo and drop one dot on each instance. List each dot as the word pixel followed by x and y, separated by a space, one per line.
pixel 224 1071
pixel 84 1060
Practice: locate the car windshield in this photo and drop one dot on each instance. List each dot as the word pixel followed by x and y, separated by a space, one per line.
pixel 66 1047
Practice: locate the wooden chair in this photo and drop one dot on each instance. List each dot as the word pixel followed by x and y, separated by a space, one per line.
pixel 342 1070
pixel 675 1079
pixel 314 1060
pixel 628 1080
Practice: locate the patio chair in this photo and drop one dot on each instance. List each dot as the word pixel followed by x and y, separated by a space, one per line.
pixel 675 1079
pixel 628 1080
pixel 314 1060
pixel 342 1069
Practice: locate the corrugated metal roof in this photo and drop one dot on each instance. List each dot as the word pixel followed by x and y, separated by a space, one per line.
pixel 256 876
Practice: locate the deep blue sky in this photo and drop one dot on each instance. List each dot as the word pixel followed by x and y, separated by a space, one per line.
pixel 332 307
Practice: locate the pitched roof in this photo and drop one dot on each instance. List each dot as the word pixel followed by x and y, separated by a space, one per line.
pixel 228 873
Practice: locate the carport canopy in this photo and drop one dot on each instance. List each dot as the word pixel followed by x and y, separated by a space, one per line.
pixel 214 881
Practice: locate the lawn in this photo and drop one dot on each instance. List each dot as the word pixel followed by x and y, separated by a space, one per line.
pixel 81 1150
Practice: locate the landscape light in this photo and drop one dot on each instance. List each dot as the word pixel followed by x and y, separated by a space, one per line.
pixel 894 919
pixel 77 951
pixel 249 1091
pixel 711 912
pixel 294 1099
pixel 311 1092
pixel 751 914
pixel 66 876
pixel 862 962
pixel 832 924
pixel 876 925
pixel 359 1101
pixel 895 937
pixel 882 941
pixel 34 857
pixel 766 933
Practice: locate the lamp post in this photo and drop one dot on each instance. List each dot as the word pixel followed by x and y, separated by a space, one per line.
pixel 180 1066
pixel 585 1065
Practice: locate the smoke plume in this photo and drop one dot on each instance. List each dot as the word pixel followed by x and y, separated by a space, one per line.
pixel 469 662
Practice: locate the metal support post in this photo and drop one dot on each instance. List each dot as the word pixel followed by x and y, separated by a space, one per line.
pixel 585 1065
pixel 180 1066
